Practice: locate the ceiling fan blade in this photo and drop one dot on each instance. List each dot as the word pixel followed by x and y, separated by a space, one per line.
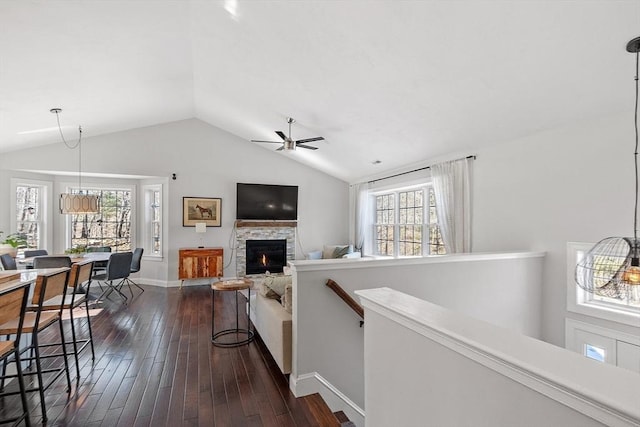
pixel 270 142
pixel 281 135
pixel 317 138
pixel 306 146
pixel 280 149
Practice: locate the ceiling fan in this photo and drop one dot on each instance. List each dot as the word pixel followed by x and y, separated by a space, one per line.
pixel 290 144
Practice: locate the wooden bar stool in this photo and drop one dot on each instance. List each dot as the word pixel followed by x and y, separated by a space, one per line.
pixel 49 287
pixel 13 304
pixel 80 273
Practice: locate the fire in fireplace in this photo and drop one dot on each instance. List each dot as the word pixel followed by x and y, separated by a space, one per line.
pixel 266 255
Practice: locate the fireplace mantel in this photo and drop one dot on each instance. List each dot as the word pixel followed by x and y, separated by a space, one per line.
pixel 244 223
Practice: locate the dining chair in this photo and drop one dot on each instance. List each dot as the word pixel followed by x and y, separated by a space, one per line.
pixel 8 262
pixel 80 273
pixel 135 267
pixel 118 268
pixel 35 252
pixel 43 312
pixel 51 261
pixel 99 267
pixel 13 304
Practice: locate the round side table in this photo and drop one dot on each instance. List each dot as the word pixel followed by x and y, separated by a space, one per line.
pixel 243 336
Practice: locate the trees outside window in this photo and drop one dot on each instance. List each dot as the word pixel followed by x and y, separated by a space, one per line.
pixel 29 213
pixel 152 232
pixel 405 225
pixel 111 226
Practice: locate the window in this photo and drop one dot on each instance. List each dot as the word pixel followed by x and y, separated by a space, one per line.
pixel 623 310
pixel 436 245
pixel 29 200
pixel 152 233
pixel 404 226
pixel 110 227
pixel 595 353
pixel 385 220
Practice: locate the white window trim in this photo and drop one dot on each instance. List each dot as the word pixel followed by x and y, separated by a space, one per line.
pixel 68 186
pixel 577 301
pixel 46 207
pixel 146 233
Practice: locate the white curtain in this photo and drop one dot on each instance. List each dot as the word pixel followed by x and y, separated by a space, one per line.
pixel 452 190
pixel 362 212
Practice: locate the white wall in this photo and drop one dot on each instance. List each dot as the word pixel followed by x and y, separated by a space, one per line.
pixel 208 162
pixel 538 193
pixel 328 343
pixel 424 362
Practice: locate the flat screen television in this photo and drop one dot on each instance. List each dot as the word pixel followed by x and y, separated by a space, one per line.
pixel 267 202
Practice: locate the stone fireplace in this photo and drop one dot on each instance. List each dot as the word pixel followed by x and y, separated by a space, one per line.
pixel 264 233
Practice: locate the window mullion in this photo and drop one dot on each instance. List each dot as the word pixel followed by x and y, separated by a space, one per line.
pixel 396 242
pixel 426 227
pixel 396 239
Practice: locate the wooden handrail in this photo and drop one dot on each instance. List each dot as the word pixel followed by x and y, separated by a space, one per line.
pixel 346 297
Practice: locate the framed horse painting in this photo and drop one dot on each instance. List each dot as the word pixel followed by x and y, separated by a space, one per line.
pixel 201 209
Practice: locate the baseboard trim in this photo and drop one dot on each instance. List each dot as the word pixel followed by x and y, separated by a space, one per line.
pixel 310 383
pixel 188 282
pixel 171 283
pixel 151 282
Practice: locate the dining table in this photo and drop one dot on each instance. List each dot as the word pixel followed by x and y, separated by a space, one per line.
pixel 12 278
pixel 94 256
pixel 23 275
pixel 97 257
pixel 27 272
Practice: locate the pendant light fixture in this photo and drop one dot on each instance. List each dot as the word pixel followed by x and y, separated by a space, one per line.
pixel 612 267
pixel 75 203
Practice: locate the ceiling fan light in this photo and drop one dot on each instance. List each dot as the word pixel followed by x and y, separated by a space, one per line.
pixel 288 143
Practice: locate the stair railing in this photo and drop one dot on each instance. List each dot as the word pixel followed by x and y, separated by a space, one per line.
pixel 335 287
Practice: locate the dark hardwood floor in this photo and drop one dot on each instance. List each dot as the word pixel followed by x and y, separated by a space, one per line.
pixel 155 366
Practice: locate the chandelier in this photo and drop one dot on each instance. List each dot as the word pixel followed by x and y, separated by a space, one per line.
pixel 612 267
pixel 75 203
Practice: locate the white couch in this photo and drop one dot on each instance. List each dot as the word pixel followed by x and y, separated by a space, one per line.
pixel 334 252
pixel 272 319
pixel 273 322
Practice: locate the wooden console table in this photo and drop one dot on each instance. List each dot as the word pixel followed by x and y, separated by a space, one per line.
pixel 200 263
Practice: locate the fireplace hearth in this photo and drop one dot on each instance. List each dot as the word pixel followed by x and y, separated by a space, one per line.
pixel 265 255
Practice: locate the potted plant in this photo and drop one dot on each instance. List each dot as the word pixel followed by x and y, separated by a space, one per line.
pixel 79 250
pixel 11 243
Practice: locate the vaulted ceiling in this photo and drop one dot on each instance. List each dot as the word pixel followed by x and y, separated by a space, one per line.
pixel 400 82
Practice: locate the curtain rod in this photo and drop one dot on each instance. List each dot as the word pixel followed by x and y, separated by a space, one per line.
pixel 473 157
